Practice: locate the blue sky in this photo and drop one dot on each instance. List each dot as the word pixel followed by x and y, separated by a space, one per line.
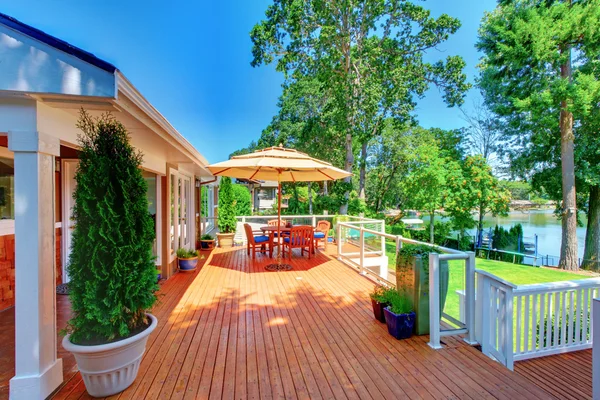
pixel 191 60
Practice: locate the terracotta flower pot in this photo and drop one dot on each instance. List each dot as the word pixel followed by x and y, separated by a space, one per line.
pixel 225 240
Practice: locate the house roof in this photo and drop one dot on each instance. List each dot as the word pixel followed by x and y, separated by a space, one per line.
pixel 56 43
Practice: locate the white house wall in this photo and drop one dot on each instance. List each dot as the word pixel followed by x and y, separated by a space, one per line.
pixel 17 114
pixel 27 65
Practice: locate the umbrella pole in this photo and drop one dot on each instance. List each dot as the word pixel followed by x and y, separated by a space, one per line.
pixel 279 219
pixel 279 266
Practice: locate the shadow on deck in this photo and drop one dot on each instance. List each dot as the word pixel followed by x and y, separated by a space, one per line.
pixel 231 329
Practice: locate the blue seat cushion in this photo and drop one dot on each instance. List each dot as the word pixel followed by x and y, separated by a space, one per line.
pixel 261 239
pixel 319 235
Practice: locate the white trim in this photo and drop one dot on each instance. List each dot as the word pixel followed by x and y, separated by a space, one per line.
pixel 66 166
pixel 158 222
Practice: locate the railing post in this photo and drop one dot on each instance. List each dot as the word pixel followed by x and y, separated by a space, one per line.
pixel 243 219
pixel 509 342
pixel 314 221
pixel 596 349
pixel 434 301
pixel 470 298
pixel 479 309
pixel 484 298
pixel 361 244
pixel 383 252
pixel 339 241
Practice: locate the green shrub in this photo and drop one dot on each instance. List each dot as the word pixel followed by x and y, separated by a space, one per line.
pixel 379 294
pixel 226 220
pixel 399 303
pixel 112 270
pixel 242 200
pixel 185 253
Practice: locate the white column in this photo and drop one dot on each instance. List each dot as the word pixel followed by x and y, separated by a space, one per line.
pixel 596 349
pixel 434 301
pixel 469 311
pixel 37 370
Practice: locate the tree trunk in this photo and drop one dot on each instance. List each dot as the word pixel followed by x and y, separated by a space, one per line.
pixel 325 191
pixel 591 254
pixel 431 226
pixel 480 224
pixel 310 210
pixel 349 164
pixel 568 250
pixel 363 172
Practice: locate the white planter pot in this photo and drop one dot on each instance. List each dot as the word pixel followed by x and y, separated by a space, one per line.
pixel 110 368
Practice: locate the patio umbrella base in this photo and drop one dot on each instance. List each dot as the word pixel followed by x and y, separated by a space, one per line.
pixel 278 267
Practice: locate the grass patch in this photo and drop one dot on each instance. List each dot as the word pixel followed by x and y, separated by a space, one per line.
pixel 517 274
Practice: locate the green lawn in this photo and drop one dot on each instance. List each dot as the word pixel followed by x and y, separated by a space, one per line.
pixel 517 274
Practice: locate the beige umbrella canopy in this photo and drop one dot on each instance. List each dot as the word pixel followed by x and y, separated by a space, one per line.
pixel 278 164
pixel 281 165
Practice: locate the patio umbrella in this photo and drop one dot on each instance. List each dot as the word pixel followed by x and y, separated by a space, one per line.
pixel 283 165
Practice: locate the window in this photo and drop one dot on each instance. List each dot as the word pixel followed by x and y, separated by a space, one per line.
pixel 153 207
pixel 7 185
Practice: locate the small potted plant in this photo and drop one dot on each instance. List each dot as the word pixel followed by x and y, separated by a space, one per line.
pixel 207 242
pixel 226 220
pixel 158 275
pixel 111 267
pixel 399 315
pixel 187 260
pixel 412 278
pixel 379 302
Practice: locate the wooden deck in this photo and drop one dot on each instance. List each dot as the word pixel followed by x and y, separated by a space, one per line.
pixel 566 376
pixel 233 330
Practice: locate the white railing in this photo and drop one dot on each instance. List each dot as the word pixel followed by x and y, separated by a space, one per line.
pixel 365 250
pixel 208 224
pixel 596 350
pixel 256 221
pixel 527 321
pixel 494 317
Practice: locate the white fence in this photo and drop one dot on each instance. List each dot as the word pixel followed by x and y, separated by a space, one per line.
pixel 368 250
pixel 596 350
pixel 256 221
pixel 527 321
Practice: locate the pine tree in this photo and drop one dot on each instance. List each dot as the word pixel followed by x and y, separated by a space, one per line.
pixel 112 271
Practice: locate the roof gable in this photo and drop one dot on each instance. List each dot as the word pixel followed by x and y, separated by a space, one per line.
pixel 34 62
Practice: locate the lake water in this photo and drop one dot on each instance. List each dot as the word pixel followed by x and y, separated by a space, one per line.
pixel 542 223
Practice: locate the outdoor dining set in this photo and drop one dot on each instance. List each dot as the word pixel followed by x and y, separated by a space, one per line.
pixel 288 236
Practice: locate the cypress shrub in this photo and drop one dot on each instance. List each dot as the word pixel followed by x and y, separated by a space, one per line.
pixel 112 271
pixel 226 219
pixel 242 199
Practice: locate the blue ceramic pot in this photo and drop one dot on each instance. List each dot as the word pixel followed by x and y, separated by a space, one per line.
pixel 158 277
pixel 187 264
pixel 400 326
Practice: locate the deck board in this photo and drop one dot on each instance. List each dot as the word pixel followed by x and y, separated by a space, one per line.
pixel 566 376
pixel 232 330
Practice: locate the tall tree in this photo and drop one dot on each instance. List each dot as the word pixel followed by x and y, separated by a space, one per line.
pixel 427 181
pixel 483 131
pixel 527 71
pixel 476 189
pixel 370 54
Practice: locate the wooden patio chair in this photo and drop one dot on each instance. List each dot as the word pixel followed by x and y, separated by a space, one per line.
pixel 256 242
pixel 322 233
pixel 299 237
pixel 275 222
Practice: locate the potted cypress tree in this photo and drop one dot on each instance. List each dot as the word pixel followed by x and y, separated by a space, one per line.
pixel 112 271
pixel 412 278
pixel 226 219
